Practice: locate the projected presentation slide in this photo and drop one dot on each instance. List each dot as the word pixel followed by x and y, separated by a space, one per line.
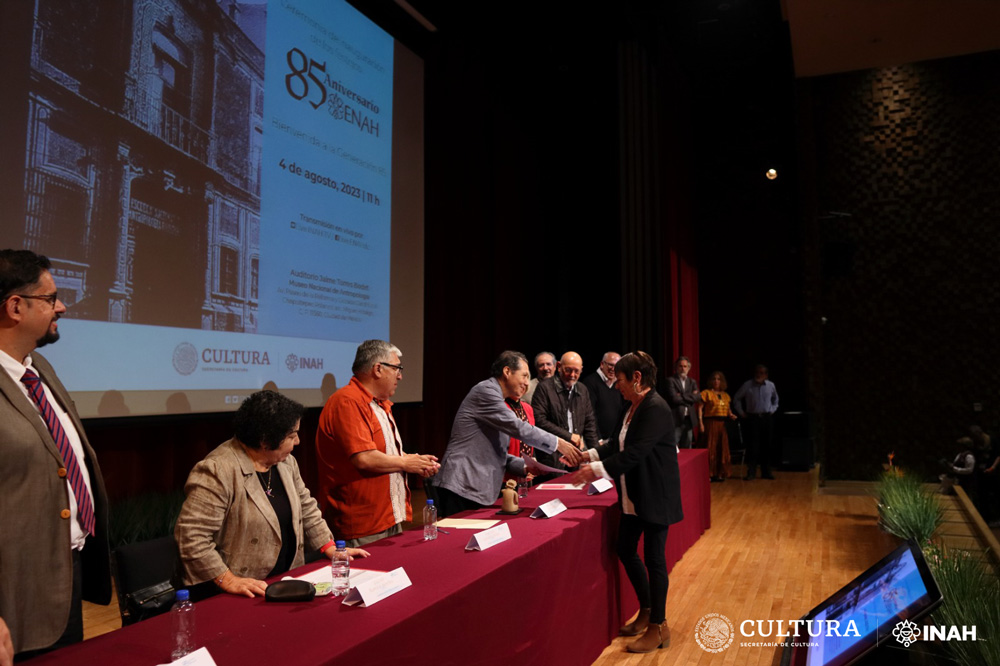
pixel 213 183
pixel 325 195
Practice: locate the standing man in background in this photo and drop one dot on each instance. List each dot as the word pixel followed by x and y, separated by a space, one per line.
pixel 683 395
pixel 755 403
pixel 606 400
pixel 362 465
pixel 545 367
pixel 53 506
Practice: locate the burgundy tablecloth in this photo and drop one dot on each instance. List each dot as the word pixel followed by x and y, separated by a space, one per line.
pixel 549 595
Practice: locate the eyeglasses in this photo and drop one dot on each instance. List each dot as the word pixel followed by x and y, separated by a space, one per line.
pixel 398 368
pixel 51 298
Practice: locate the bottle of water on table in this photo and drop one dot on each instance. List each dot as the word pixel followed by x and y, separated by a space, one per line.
pixel 340 570
pixel 182 622
pixel 430 521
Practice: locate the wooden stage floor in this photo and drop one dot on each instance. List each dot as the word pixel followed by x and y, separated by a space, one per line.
pixel 775 550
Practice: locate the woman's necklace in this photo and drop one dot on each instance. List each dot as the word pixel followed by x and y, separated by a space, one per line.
pixel 267 490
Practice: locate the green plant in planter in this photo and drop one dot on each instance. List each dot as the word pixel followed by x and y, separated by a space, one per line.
pixel 971 594
pixel 144 517
pixel 906 508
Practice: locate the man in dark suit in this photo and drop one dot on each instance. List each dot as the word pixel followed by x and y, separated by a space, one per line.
pixel 683 395
pixel 562 407
pixel 604 397
pixel 53 507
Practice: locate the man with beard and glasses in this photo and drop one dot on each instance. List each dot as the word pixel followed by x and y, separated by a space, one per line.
pixel 53 508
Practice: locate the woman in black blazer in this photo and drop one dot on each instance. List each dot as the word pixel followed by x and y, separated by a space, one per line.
pixel 642 458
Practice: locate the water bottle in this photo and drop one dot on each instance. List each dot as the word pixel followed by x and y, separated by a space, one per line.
pixel 340 570
pixel 430 521
pixel 182 620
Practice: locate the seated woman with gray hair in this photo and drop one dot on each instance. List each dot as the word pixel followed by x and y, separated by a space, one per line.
pixel 248 515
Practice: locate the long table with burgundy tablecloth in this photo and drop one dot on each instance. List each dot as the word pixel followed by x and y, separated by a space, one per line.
pixel 551 594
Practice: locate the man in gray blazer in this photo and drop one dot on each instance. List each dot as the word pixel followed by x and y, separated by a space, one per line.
pixel 476 458
pixel 53 508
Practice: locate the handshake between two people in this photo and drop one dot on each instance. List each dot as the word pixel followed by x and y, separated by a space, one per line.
pixel 570 455
pixel 577 457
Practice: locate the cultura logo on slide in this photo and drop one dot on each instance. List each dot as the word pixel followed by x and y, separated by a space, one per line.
pixel 185 358
pixel 714 632
pixel 234 356
pixel 908 633
pixel 293 363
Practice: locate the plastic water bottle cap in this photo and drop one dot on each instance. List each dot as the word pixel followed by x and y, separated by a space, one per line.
pixel 430 502
pixel 341 544
pixel 183 595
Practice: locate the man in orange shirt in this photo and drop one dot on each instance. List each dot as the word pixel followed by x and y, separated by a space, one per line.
pixel 362 465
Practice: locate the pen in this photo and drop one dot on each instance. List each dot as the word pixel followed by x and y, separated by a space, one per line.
pixel 444 531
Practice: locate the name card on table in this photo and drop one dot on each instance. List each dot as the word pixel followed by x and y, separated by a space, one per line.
pixel 199 657
pixel 549 509
pixel 489 538
pixel 374 589
pixel 599 486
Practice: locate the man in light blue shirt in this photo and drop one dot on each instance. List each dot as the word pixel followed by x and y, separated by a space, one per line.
pixel 756 402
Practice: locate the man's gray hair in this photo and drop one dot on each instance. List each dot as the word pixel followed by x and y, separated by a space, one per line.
pixel 545 353
pixel 371 352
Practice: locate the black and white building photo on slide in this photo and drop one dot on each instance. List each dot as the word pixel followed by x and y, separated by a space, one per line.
pixel 143 134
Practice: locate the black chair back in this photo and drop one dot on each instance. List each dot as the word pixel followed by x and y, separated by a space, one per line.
pixel 146 578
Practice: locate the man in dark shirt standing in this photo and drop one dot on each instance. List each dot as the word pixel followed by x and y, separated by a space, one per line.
pixel 756 402
pixel 562 407
pixel 604 397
